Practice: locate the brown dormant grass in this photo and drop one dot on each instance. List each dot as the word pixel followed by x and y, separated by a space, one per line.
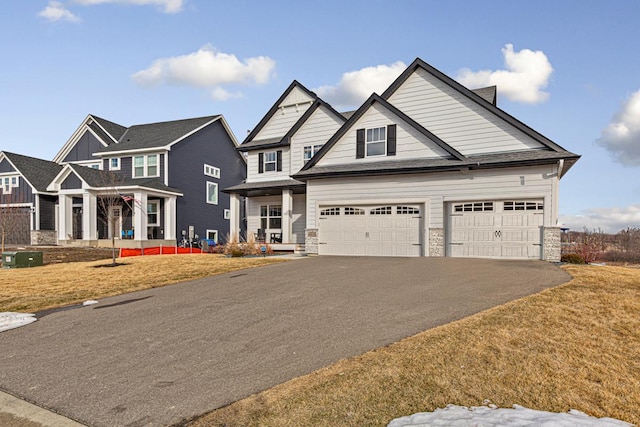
pixel 39 288
pixel 576 346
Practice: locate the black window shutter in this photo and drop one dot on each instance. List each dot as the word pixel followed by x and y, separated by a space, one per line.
pixel 391 140
pixel 279 160
pixel 360 144
pixel 260 162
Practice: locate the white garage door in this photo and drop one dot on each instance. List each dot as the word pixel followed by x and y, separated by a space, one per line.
pixel 496 229
pixel 381 230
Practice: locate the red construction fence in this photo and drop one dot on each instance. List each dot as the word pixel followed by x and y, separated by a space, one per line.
pixel 158 250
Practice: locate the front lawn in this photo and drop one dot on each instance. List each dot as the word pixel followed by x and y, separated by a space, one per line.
pixel 55 285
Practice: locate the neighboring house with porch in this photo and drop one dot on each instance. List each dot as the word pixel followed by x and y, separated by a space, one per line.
pixel 428 168
pixel 145 185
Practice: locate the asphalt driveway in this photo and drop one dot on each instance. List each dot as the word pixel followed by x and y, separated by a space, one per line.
pixel 159 356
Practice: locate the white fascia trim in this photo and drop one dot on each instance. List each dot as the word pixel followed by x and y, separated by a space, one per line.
pixel 17 171
pixel 126 153
pixel 71 142
pixel 16 205
pixel 131 188
pixel 192 132
pixel 59 179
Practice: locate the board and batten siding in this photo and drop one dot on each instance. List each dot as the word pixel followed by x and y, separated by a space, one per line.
pixel 298 216
pixel 288 113
pixel 315 131
pixel 252 166
pixel 456 119
pixel 410 143
pixel 436 189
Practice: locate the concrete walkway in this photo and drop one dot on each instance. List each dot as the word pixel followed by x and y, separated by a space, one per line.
pixel 159 356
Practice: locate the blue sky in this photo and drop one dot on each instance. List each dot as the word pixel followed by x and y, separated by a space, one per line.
pixel 569 69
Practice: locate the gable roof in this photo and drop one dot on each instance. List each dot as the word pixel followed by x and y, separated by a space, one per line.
pixel 358 114
pixel 286 139
pixel 473 96
pixel 262 123
pixel 99 179
pixel 113 130
pixel 157 135
pixel 489 94
pixel 37 172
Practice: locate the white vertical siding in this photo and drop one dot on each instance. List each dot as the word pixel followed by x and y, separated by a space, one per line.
pixel 291 109
pixel 315 131
pixel 454 118
pixel 539 182
pixel 410 143
pixel 252 166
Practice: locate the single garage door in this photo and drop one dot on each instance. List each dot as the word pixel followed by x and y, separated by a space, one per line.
pixel 381 230
pixel 496 229
pixel 17 225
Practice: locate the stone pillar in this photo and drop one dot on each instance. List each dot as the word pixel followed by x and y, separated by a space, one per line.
pixel 287 215
pixel 311 241
pixel 234 218
pixel 170 218
pixel 65 217
pixel 89 217
pixel 551 244
pixel 436 242
pixel 140 216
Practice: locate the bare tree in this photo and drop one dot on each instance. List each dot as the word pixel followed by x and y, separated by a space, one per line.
pixel 12 218
pixel 109 198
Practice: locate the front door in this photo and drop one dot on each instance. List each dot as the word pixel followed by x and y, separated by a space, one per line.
pixel 115 221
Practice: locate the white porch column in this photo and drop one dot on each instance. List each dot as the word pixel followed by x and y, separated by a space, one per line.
pixel 89 216
pixel 170 218
pixel 234 220
pixel 287 215
pixel 65 217
pixel 140 216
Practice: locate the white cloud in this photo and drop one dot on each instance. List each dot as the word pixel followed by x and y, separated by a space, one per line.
pixel 356 86
pixel 168 6
pixel 610 220
pixel 622 136
pixel 207 68
pixel 219 94
pixel 55 11
pixel 527 73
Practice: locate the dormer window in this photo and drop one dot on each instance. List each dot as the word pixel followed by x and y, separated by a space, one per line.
pixel 377 141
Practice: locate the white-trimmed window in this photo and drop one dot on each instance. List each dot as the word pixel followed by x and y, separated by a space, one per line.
pixel 212 193
pixel 8 183
pixel 270 161
pixel 94 165
pixel 212 235
pixel 153 213
pixel 146 166
pixel 212 171
pixel 227 214
pixel 114 164
pixel 376 141
pixel 310 151
pixel 270 217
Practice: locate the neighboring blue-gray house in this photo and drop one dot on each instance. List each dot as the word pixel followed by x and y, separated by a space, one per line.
pixel 145 185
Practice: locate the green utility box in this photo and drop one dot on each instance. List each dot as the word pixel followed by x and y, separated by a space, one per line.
pixel 21 259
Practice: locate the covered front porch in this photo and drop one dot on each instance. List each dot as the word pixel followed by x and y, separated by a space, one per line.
pixel 275 213
pixel 135 219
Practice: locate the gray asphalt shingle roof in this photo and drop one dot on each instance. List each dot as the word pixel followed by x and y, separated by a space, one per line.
pixel 115 130
pixel 102 179
pixel 156 135
pixel 38 172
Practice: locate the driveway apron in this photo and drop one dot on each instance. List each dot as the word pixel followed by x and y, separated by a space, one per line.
pixel 159 356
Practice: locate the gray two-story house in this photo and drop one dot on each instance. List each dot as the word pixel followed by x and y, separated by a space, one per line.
pixel 149 184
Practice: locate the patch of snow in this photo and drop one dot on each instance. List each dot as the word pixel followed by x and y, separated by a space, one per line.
pixel 491 416
pixel 10 320
pixel 90 302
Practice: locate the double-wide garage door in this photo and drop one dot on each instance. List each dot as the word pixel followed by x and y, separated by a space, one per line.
pixel 496 229
pixel 380 230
